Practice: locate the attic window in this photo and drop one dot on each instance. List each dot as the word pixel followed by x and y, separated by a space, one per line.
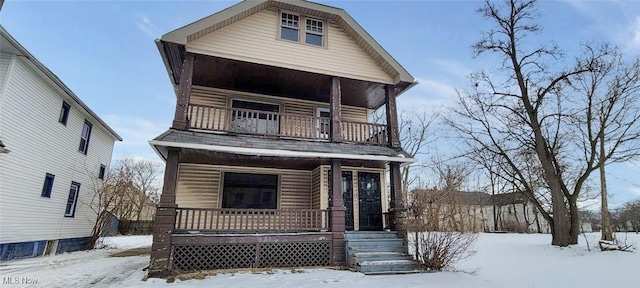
pixel 289 26
pixel 314 31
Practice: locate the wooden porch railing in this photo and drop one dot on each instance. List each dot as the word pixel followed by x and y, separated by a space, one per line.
pixel 203 117
pixel 250 220
pixel 364 132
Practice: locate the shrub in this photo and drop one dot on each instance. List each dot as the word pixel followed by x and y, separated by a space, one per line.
pixel 439 250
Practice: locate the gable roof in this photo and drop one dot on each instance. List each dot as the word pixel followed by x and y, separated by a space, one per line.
pixel 247 8
pixel 15 47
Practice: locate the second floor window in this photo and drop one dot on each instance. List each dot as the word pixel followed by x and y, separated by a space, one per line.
pixel 102 171
pixel 84 138
pixel 64 113
pixel 289 26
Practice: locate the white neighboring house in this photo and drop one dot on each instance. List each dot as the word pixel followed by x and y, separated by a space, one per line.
pixel 54 145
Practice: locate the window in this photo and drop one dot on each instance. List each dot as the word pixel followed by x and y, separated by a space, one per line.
pixel 102 170
pixel 250 191
pixel 314 31
pixel 324 124
pixel 72 200
pixel 289 26
pixel 290 29
pixel 64 113
pixel 48 185
pixel 84 138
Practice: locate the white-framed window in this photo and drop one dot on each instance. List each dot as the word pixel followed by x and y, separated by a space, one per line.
pixel 70 210
pixel 314 31
pixel 323 127
pixel 84 137
pixel 289 26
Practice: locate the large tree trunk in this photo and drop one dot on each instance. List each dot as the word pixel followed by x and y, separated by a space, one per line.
pixel 560 231
pixel 606 217
pixel 575 220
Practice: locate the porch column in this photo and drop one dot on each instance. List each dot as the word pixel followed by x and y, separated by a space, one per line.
pixel 392 116
pixel 165 218
pixel 184 93
pixel 335 110
pixel 337 210
pixel 396 207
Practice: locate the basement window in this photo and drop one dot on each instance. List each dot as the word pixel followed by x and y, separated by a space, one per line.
pixel 250 191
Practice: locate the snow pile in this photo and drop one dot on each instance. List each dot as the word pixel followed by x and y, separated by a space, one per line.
pixel 502 260
pixel 125 242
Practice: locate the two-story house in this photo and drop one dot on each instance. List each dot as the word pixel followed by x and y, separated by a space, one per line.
pixel 272 160
pixel 55 148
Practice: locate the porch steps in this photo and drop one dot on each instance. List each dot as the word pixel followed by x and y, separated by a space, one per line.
pixel 377 253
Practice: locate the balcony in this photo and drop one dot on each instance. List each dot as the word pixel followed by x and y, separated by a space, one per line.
pixel 246 121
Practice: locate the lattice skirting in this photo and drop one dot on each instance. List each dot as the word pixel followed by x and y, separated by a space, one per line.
pixel 247 255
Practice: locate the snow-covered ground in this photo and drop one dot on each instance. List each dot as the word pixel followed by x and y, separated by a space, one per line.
pixel 502 260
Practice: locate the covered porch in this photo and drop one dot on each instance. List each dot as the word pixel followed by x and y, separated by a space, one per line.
pixel 246 205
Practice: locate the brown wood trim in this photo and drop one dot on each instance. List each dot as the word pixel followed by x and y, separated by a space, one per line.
pixel 184 93
pixel 392 116
pixel 168 196
pixel 249 220
pixel 334 110
pixel 185 239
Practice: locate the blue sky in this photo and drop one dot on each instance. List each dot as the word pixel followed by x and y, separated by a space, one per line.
pixel 104 51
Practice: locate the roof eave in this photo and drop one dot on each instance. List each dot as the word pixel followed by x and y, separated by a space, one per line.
pixel 53 78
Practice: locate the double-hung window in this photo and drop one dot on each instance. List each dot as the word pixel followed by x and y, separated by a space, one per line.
pixel 72 201
pixel 314 31
pixel 84 138
pixel 289 26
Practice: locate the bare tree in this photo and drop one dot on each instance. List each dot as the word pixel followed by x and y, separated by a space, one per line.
pixel 415 128
pixel 519 114
pixel 122 193
pixel 609 120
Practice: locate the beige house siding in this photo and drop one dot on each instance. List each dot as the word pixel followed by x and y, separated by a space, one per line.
pixel 254 37
pixel 199 185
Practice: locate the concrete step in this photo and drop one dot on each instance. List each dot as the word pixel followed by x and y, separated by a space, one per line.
pixel 373 248
pixel 379 256
pixel 374 242
pixel 388 266
pixel 370 235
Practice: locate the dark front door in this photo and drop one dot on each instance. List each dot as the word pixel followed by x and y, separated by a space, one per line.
pixel 347 197
pixel 369 196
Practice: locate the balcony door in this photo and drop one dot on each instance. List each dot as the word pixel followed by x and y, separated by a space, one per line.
pixel 323 123
pixel 254 117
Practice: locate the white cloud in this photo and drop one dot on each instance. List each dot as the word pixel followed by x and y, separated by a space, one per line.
pixel 634 30
pixel 452 67
pixel 428 93
pixel 136 133
pixel 147 27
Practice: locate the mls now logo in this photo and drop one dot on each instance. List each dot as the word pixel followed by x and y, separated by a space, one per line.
pixel 19 280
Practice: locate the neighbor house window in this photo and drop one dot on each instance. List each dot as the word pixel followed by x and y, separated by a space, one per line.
pixel 70 211
pixel 48 185
pixel 64 113
pixel 101 172
pixel 314 31
pixel 289 26
pixel 84 138
pixel 250 191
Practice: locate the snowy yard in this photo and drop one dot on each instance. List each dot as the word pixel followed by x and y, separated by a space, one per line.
pixel 502 260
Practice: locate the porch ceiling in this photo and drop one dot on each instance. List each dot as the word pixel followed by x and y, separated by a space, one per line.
pixel 263 79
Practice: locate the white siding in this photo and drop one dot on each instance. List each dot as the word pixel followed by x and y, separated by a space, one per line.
pixel 5 58
pixel 254 39
pixel 39 144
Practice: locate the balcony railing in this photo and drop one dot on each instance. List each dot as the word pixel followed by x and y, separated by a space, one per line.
pixel 202 117
pixel 250 220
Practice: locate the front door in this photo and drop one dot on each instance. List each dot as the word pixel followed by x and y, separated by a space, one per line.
pixel 347 197
pixel 369 196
